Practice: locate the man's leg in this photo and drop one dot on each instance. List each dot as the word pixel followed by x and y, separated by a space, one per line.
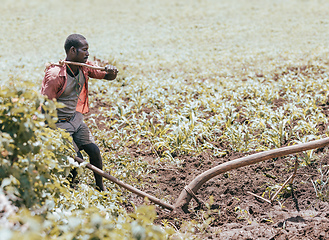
pixel 73 173
pixel 95 159
pixel 85 141
pixel 70 129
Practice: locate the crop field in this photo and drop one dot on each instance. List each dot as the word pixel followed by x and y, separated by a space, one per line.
pixel 200 83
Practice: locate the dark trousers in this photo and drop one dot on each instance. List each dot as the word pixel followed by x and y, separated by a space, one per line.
pixel 95 159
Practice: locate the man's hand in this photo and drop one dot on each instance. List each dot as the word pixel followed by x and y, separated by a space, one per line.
pixel 111 72
pixel 111 69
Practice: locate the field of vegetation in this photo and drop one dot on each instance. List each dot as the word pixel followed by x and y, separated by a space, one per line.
pixel 200 83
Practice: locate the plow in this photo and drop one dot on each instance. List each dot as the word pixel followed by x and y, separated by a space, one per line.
pixel 190 191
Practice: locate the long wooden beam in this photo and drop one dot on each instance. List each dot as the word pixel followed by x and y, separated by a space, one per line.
pixel 126 186
pixel 184 198
pixel 62 62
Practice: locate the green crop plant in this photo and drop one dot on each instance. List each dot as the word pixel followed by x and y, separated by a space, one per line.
pixel 320 185
pixel 28 149
pixel 35 161
pixel 238 138
pixel 243 214
pixel 307 157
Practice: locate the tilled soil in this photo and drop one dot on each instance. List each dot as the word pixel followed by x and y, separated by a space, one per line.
pixel 236 214
pixel 296 213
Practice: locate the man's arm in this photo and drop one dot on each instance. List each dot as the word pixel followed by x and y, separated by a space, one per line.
pixel 111 72
pixel 50 85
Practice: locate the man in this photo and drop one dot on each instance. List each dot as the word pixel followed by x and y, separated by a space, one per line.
pixel 68 84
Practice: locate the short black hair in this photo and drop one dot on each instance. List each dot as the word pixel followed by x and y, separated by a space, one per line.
pixel 73 40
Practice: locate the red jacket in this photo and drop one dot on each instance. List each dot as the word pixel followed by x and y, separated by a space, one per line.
pixel 55 81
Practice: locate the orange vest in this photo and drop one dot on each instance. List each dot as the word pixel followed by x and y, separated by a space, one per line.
pixel 55 81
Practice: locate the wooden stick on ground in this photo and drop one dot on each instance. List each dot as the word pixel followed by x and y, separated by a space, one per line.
pixel 290 179
pixel 276 193
pixel 126 186
pixel 280 189
pixel 264 199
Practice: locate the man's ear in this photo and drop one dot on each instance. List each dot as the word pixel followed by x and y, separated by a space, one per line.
pixel 73 50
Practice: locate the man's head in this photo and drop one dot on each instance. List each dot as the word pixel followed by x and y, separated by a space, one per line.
pixel 76 48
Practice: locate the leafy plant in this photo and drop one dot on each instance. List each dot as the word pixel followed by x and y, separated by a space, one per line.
pixel 34 199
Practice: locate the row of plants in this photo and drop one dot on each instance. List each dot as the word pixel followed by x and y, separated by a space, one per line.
pixel 36 201
pixel 177 116
pixel 169 118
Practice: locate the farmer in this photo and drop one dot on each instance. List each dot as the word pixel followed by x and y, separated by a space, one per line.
pixel 68 84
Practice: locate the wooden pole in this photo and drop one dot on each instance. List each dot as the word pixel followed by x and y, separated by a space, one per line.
pixel 126 186
pixel 184 198
pixel 62 62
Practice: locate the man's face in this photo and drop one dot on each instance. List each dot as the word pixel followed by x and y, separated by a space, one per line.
pixel 82 53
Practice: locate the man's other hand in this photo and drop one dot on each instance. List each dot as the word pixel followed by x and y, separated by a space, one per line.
pixel 111 69
pixel 111 72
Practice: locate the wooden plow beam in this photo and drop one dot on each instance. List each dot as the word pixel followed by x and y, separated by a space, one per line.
pixel 190 190
pixel 126 186
pixel 62 62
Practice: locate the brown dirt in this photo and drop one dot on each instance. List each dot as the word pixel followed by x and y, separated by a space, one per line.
pixel 243 216
pixel 296 214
